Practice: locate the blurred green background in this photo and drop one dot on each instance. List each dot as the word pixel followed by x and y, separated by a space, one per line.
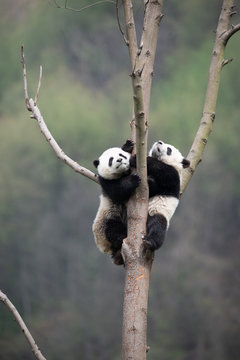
pixel 70 294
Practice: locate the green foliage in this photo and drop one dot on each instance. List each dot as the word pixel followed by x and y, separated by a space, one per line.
pixel 69 293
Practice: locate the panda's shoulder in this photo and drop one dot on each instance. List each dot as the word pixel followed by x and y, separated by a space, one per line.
pixel 154 163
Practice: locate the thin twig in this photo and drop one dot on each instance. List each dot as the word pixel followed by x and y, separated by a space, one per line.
pixel 36 114
pixel 83 8
pixel 119 25
pixel 26 332
pixel 25 79
pixel 227 61
pixel 231 32
pixel 39 85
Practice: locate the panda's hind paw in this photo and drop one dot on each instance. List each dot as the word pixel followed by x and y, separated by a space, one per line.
pixel 148 251
pixel 117 258
pixel 148 244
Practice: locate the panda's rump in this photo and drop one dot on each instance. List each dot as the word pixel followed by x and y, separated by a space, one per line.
pixel 164 205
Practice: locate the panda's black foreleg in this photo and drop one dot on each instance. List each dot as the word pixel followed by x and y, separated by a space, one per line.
pixel 116 232
pixel 128 146
pixel 156 231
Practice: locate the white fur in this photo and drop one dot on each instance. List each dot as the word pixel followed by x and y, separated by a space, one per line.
pixel 164 205
pixel 120 164
pixel 159 151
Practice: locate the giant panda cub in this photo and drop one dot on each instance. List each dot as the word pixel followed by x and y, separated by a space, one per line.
pixel 118 185
pixel 164 166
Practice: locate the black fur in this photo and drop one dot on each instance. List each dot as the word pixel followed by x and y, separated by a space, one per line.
pixel 186 163
pixel 156 231
pixel 116 232
pixel 120 190
pixel 128 146
pixel 163 179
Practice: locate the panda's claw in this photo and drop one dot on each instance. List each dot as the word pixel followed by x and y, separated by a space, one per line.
pixel 147 244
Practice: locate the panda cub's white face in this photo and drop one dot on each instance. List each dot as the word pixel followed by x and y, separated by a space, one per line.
pixel 169 155
pixel 113 163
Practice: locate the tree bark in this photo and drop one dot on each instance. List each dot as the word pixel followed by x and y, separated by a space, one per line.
pixel 138 264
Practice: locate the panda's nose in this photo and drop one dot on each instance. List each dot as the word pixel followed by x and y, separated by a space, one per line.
pixel 119 160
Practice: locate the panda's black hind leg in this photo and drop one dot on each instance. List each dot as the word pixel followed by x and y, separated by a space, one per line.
pixel 116 232
pixel 156 231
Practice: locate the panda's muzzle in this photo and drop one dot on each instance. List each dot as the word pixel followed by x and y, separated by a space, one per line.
pixel 120 162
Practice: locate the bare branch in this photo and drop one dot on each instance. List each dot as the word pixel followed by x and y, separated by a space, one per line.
pixel 84 7
pixel 152 18
pixel 119 25
pixel 36 114
pixel 39 85
pixel 52 142
pixel 208 116
pixel 26 332
pixel 25 78
pixel 131 32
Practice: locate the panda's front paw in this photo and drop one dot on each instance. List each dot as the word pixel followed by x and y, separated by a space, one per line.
pixel 135 179
pixel 128 146
pixel 133 161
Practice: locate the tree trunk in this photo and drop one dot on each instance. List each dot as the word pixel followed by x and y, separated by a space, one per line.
pixel 137 264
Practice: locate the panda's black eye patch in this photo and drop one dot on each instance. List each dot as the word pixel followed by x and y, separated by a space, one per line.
pixel 169 151
pixel 123 156
pixel 110 161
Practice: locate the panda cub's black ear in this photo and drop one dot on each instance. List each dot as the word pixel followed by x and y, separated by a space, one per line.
pixel 185 163
pixel 96 163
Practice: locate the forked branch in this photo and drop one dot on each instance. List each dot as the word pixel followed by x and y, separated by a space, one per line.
pixel 36 114
pixel 26 332
pixel 84 7
pixel 231 32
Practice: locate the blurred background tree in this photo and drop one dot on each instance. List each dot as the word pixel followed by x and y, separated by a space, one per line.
pixel 50 267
